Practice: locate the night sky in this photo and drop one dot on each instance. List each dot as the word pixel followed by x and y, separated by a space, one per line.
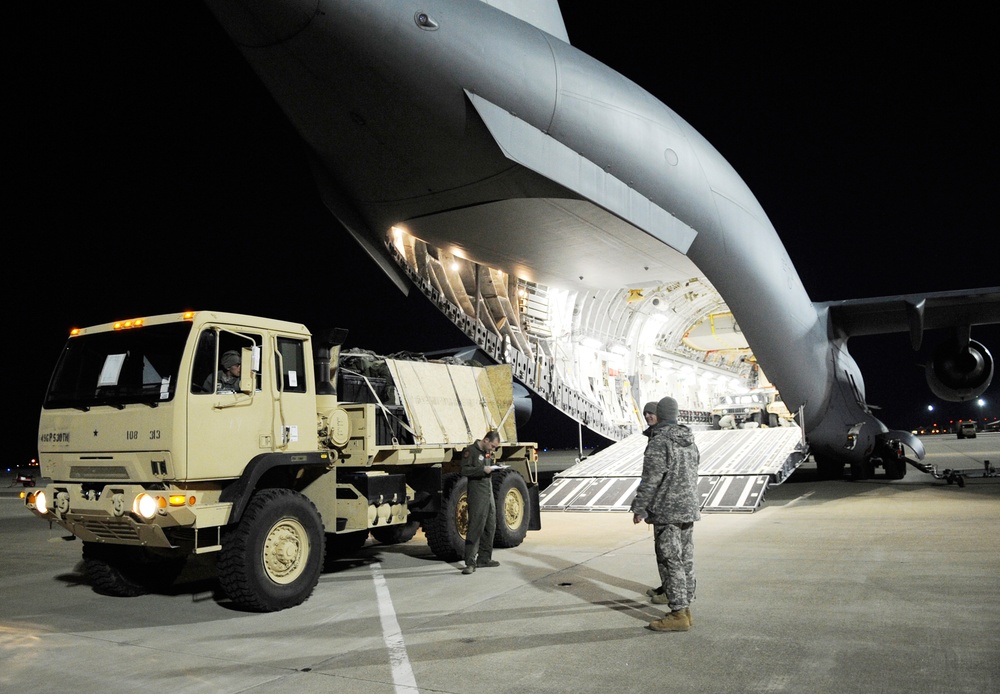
pixel 146 153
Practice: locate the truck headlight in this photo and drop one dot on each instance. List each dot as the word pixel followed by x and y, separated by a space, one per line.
pixel 41 502
pixel 144 505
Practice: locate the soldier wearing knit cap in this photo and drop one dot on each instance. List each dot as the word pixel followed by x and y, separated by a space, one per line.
pixel 667 498
pixel 649 414
pixel 228 377
pixel 667 410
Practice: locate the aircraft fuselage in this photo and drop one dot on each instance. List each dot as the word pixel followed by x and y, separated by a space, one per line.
pixel 391 110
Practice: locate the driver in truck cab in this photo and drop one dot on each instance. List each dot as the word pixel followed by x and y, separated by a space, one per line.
pixel 228 377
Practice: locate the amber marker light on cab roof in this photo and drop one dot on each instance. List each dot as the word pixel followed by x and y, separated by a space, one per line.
pixel 131 323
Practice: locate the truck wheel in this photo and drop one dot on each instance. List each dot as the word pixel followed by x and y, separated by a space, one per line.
pixel 715 422
pixel 446 530
pixel 271 559
pixel 513 509
pixel 396 534
pixel 127 572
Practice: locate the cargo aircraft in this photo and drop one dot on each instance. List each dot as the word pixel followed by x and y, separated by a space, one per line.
pixel 576 227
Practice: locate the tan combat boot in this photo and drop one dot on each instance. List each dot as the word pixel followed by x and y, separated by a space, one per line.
pixel 687 611
pixel 672 621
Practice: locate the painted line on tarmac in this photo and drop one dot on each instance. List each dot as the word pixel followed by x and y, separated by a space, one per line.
pixel 392 635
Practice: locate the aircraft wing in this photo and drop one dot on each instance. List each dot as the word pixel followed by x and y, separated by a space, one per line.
pixel 915 313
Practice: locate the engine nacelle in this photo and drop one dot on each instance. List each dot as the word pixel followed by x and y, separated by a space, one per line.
pixel 957 374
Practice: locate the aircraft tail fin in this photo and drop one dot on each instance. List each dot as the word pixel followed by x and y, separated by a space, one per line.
pixel 544 14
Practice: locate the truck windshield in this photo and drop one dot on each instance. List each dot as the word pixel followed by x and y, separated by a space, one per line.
pixel 119 368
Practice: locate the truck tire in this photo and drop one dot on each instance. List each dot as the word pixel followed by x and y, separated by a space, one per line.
pixel 446 531
pixel 513 508
pixel 272 558
pixel 396 534
pixel 127 572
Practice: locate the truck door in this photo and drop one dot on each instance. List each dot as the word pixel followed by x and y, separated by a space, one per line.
pixel 226 427
pixel 295 411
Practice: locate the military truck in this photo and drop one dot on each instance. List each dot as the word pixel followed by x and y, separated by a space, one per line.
pixel 739 411
pixel 777 412
pixel 758 408
pixel 965 429
pixel 157 453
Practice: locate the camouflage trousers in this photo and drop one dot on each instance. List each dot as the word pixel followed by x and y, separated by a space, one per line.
pixel 675 561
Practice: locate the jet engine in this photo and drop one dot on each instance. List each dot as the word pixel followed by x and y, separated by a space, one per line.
pixel 959 370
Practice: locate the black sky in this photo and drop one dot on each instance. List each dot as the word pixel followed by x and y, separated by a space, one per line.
pixel 145 153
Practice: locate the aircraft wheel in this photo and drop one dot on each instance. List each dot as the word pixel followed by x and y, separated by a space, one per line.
pixel 895 469
pixel 827 470
pixel 861 470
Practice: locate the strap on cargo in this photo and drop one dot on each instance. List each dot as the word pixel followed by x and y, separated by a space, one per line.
pixel 385 410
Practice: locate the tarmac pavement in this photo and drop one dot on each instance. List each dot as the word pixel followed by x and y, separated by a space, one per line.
pixel 878 586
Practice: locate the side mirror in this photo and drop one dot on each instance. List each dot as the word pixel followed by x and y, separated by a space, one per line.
pixel 248 379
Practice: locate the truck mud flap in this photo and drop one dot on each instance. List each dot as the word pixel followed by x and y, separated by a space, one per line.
pixel 535 522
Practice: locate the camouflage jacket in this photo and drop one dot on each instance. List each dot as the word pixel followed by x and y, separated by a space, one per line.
pixel 224 381
pixel 668 492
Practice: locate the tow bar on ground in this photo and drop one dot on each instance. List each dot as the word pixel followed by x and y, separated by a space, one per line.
pixel 959 476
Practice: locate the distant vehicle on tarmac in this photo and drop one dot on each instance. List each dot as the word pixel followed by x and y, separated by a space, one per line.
pixel 966 430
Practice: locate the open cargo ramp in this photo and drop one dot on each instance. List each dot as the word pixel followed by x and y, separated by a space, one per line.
pixel 735 470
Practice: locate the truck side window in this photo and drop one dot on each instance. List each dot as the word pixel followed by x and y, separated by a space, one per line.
pixel 213 347
pixel 291 358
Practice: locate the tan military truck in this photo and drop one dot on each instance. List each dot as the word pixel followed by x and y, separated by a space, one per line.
pixel 198 432
pixel 758 408
pixel 746 410
pixel 777 412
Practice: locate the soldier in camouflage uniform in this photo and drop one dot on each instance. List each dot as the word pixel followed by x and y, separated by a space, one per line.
pixel 477 467
pixel 667 498
pixel 228 377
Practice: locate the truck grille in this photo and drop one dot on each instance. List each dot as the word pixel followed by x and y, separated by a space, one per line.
pixel 101 472
pixel 111 529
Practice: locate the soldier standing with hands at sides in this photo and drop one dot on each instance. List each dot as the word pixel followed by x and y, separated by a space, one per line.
pixel 477 466
pixel 667 498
